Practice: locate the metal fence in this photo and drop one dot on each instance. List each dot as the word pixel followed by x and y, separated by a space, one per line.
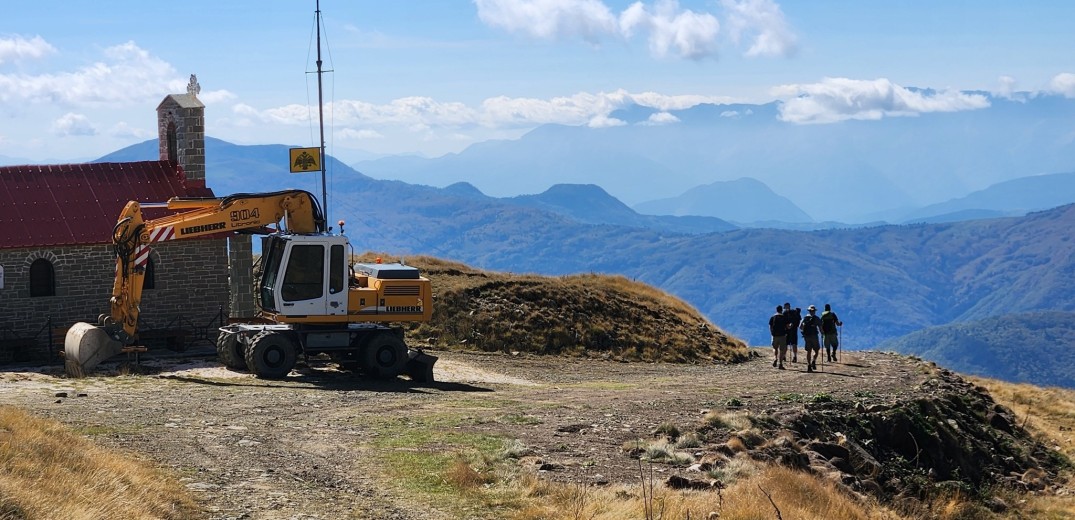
pixel 46 343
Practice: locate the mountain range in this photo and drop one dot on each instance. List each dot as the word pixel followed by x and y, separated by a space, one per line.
pixel 853 171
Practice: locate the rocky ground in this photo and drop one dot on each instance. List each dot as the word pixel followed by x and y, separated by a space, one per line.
pixel 302 448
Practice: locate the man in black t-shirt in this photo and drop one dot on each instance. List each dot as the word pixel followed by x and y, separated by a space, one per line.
pixel 794 317
pixel 810 326
pixel 778 328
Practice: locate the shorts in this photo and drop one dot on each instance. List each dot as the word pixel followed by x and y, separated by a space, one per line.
pixel 780 342
pixel 812 343
pixel 832 339
pixel 793 339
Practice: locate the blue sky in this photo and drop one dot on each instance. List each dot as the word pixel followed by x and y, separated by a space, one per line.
pixel 81 79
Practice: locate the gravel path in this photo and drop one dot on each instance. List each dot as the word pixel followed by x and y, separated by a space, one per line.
pixel 300 448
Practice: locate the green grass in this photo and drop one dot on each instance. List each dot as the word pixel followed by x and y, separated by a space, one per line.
pixel 417 456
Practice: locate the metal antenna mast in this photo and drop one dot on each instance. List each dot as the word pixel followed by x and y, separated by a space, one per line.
pixel 321 112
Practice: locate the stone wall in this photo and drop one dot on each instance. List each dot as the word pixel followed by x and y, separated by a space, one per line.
pixel 191 288
pixel 241 258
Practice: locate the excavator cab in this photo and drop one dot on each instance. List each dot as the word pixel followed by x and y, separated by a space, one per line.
pixel 304 275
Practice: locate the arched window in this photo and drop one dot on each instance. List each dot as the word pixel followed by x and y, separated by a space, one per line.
pixel 42 278
pixel 173 144
pixel 149 279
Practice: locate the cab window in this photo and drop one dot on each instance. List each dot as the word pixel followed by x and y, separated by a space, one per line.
pixel 305 275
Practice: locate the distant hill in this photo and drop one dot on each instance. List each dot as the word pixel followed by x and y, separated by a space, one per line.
pixel 592 205
pixel 743 200
pixel 13 161
pixel 465 189
pixel 1009 198
pixel 1036 348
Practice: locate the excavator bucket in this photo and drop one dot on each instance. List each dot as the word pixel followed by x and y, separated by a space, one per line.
pixel 85 347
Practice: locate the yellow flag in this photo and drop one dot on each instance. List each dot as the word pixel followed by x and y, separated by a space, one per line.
pixel 305 160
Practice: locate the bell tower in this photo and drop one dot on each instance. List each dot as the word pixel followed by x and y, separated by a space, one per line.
pixel 181 131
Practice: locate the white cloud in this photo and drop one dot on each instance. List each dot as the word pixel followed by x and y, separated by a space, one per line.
pixel 550 19
pixel 735 114
pixel 686 33
pixel 359 134
pixel 128 74
pixel 605 122
pixel 18 48
pixel 1006 87
pixel 1063 83
pixel 71 124
pixel 839 99
pixel 668 28
pixel 122 130
pixel 212 97
pixel 665 103
pixel 661 118
pixel 764 22
pixel 420 114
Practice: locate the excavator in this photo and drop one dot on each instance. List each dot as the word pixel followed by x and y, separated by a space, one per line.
pixel 311 300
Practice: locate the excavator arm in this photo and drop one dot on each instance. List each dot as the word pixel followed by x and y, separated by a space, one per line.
pixel 294 211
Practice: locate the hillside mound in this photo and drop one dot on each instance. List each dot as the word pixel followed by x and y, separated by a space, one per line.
pixel 580 315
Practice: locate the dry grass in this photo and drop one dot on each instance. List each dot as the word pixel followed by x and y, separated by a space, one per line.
pixel 798 495
pixel 1048 411
pixel 581 315
pixel 48 472
pixel 1050 414
pixel 464 477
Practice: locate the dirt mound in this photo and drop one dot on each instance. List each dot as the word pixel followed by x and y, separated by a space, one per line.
pixel 583 315
pixel 944 436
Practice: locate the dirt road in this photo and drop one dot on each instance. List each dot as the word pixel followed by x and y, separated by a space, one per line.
pixel 309 446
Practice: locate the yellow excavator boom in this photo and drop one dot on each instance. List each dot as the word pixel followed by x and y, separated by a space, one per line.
pixel 295 211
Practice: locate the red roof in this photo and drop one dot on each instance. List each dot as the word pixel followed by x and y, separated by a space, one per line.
pixel 69 204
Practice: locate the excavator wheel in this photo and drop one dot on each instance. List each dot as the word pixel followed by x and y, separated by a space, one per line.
pixel 384 356
pixel 231 352
pixel 271 355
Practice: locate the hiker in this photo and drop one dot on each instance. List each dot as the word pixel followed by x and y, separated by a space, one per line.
pixel 829 322
pixel 810 326
pixel 794 317
pixel 778 328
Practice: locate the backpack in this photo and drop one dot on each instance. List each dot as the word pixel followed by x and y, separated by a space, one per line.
pixel 828 323
pixel 809 325
pixel 778 325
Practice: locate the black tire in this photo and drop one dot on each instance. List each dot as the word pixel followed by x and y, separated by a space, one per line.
pixel 230 352
pixel 384 356
pixel 271 355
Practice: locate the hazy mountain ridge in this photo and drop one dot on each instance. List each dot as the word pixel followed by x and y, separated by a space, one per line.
pixel 871 166
pixel 1009 198
pixel 743 200
pixel 591 204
